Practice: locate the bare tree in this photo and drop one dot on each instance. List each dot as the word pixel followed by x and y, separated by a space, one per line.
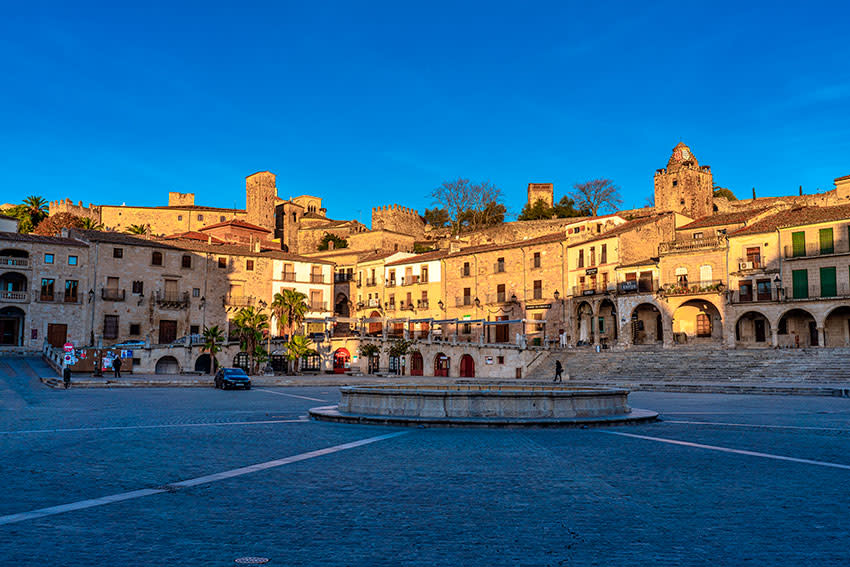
pixel 597 194
pixel 470 205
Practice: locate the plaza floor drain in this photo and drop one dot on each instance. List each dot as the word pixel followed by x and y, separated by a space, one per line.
pixel 251 560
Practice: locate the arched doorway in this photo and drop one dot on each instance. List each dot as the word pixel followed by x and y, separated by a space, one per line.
pixel 837 327
pixel 342 360
pixel 752 328
pixel 375 327
pixel 647 325
pixel 584 322
pixel 467 366
pixel 13 287
pixel 167 365
pixel 416 363
pixel 12 326
pixel 697 320
pixel 202 364
pixel 606 322
pixel 441 365
pixel 797 328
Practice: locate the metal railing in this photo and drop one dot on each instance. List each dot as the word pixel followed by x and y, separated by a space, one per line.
pixel 288 276
pixel 692 244
pixel 637 286
pixel 588 289
pixel 750 263
pixel 317 278
pixel 238 300
pixel 499 267
pixel 14 262
pixel 811 291
pixel 318 306
pixel 343 277
pixel 463 301
pixel 57 297
pixel 171 298
pixel 112 294
pixel 814 249
pixel 389 283
pixel 735 296
pixel 371 282
pixel 412 280
pixel 422 304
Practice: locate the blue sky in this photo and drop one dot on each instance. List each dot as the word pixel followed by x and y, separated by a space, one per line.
pixel 368 104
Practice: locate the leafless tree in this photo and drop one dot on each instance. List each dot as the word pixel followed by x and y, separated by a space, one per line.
pixel 597 194
pixel 470 205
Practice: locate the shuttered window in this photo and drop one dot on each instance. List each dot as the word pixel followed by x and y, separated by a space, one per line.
pixel 826 243
pixel 798 243
pixel 828 287
pixel 800 279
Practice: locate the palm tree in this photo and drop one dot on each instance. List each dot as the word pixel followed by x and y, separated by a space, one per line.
pixel 251 323
pixel 37 208
pixel 213 337
pixel 297 348
pixel 289 307
pixel 137 229
pixel 91 224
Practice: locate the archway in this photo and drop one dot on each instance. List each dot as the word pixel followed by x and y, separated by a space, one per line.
pixel 375 327
pixel 752 328
pixel 584 323
pixel 647 325
pixel 13 287
pixel 12 326
pixel 697 320
pixel 416 363
pixel 797 328
pixel 167 365
pixel 441 365
pixel 606 319
pixel 202 364
pixel 467 366
pixel 837 327
pixel 342 360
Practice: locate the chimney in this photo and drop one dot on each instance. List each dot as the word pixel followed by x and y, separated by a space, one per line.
pixel 256 246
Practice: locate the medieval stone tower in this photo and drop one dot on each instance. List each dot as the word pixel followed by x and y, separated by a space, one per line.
pixel 260 199
pixel 684 186
pixel 398 219
pixel 541 192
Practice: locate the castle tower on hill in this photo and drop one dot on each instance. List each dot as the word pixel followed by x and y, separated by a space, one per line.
pixel 260 198
pixel 684 186
pixel 541 192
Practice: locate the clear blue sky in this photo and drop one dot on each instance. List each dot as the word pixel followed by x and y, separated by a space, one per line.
pixel 367 103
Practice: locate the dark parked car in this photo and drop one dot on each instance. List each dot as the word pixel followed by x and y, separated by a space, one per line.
pixel 232 378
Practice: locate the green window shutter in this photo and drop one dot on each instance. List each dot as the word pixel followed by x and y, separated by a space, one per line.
pixel 800 288
pixel 826 244
pixel 827 282
pixel 798 242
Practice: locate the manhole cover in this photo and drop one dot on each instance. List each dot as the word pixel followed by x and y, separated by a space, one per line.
pixel 251 560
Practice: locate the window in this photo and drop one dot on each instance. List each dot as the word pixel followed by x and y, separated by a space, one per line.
pixel 222 262
pixel 500 293
pixel 156 258
pixel 539 325
pixel 72 260
pixel 601 322
pixel 705 273
pixel 186 261
pixel 798 244
pixel 135 329
pixel 697 235
pixel 799 284
pixel 467 296
pixel 392 301
pixel 580 259
pixel 221 218
pixel 763 290
pixel 828 286
pixel 47 289
pixel 423 274
pixel 604 254
pixel 592 255
pixel 675 182
pixel 466 270
pixel 500 265
pixel 110 326
pixel 194 329
pixel 745 290
pixel 196 292
pixel 754 256
pixel 535 261
pixel 249 265
pixel 682 277
pixel 200 217
pixel 179 217
pixel 48 258
pixel 71 287
pixel 538 289
pixel 117 252
pixel 139 288
pixel 466 329
pixel 827 245
pixel 500 359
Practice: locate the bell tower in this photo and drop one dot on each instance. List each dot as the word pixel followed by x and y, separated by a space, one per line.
pixel 684 186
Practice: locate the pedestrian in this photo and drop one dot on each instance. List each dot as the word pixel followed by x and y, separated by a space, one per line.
pixel 116 366
pixel 558 371
pixel 66 377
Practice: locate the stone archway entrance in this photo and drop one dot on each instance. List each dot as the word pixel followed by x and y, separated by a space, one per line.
pixel 797 328
pixel 697 320
pixel 606 322
pixel 584 323
pixel 837 327
pixel 12 326
pixel 416 364
pixel 167 365
pixel 753 329
pixel 647 325
pixel 441 365
pixel 467 366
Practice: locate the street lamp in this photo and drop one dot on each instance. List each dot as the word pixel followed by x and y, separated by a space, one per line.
pixel 778 284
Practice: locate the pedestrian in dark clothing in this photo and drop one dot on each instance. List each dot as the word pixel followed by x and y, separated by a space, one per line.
pixel 558 371
pixel 116 366
pixel 66 377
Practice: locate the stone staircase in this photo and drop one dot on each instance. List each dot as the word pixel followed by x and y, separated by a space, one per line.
pixel 701 365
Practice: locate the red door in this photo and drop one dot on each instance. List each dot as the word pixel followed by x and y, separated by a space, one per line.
pixel 342 361
pixel 416 364
pixel 441 365
pixel 467 367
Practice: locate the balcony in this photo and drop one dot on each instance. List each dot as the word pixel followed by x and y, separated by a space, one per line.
pixel 814 250
pixel 238 300
pixel 498 267
pixel 14 296
pixel 466 272
pixel 288 276
pixel 57 297
pixel 390 283
pixel 14 262
pixel 750 264
pixel 691 245
pixel 343 277
pixel 112 294
pixel 695 288
pixel 317 278
pixel 318 306
pixel 171 299
pixel 815 292
pixel 736 297
pixel 637 286
pixel 422 304
pixel 371 282
pixel 591 289
pixel 464 301
pixel 497 298
pixel 412 280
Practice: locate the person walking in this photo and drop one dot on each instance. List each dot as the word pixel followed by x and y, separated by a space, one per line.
pixel 66 377
pixel 116 366
pixel 559 370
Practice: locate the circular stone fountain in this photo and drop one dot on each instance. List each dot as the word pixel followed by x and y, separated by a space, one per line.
pixel 482 405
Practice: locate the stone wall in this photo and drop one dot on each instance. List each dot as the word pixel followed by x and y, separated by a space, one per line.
pixel 260 199
pixel 541 192
pixel 398 219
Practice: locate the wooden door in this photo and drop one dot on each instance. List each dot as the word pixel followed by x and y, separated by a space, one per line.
pixel 502 330
pixel 167 332
pixel 760 330
pixel 57 334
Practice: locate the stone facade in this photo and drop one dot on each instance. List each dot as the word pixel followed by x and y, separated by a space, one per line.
pixel 541 192
pixel 684 186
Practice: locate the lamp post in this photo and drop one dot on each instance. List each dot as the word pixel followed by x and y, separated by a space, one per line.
pixel 778 284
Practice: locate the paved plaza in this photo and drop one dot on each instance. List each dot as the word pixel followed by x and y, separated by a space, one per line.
pixel 165 477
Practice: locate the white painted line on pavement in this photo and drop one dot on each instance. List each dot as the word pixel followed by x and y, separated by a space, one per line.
pixel 729 450
pixel 291 395
pixel 119 427
pixel 759 425
pixel 53 510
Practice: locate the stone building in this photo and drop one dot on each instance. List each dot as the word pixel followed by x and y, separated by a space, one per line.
pixel 684 186
pixel 541 192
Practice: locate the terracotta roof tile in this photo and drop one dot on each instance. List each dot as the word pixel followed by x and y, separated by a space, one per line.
pixel 38 239
pixel 619 229
pixel 237 223
pixel 193 235
pixel 424 257
pixel 796 217
pixel 722 219
pixel 545 239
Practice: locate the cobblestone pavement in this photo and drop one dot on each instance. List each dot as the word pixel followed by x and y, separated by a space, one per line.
pixel 425 497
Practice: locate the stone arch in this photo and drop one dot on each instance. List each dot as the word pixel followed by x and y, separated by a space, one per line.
pixel 167 365
pixel 12 326
pixel 13 286
pixel 647 324
pixel 202 364
pixel 342 360
pixel 753 328
pixel 584 323
pixel 836 327
pixel 341 305
pixel 797 328
pixel 606 321
pixel 697 320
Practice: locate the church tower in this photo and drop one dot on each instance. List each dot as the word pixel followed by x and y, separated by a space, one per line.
pixel 684 186
pixel 260 199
